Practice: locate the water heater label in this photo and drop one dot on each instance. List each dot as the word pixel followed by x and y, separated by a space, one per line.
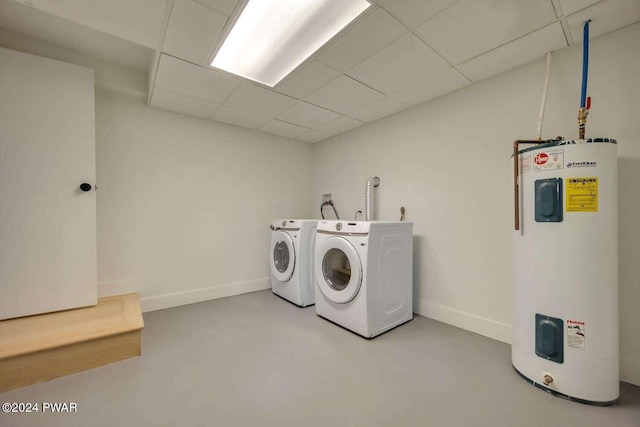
pixel 582 194
pixel 525 163
pixel 548 160
pixel 575 334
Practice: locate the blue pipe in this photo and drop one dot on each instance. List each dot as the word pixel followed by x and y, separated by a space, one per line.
pixel 585 64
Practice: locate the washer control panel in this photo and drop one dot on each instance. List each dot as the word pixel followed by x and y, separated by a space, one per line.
pixel 345 227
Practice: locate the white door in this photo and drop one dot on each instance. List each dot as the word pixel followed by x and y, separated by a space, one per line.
pixel 283 256
pixel 47 150
pixel 338 269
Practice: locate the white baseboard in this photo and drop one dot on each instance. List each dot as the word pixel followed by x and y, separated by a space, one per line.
pixel 470 322
pixel 198 295
pixel 630 369
pixel 629 366
pixel 117 287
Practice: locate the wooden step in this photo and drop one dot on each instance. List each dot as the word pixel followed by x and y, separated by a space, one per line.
pixel 40 348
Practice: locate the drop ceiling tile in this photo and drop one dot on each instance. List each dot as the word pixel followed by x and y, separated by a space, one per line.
pixel 572 6
pixel 414 12
pixel 308 115
pixel 366 38
pixel 313 136
pixel 182 104
pixel 344 95
pixel 472 27
pixel 239 118
pixel 406 61
pixel 518 52
pixel 605 17
pixel 225 7
pixel 378 109
pixel 285 129
pixel 192 80
pixel 307 80
pixel 438 85
pixel 193 31
pixel 340 125
pixel 257 100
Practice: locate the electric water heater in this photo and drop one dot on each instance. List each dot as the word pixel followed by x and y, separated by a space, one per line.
pixel 565 313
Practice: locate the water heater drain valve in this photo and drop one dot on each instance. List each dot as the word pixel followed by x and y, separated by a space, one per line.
pixel 548 379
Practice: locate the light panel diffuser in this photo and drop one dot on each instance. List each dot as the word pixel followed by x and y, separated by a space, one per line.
pixel 272 37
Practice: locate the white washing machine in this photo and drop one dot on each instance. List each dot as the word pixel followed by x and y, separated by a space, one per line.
pixel 291 260
pixel 363 274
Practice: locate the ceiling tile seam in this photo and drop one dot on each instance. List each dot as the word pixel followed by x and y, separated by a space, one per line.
pixel 405 105
pixel 291 123
pixel 303 102
pixel 267 119
pixel 335 120
pixel 238 82
pixel 290 108
pixel 239 79
pixel 278 120
pixel 364 84
pixel 299 69
pixel 381 117
pixel 331 42
pixel 585 8
pixel 421 38
pixel 215 46
pixel 511 41
pixel 216 11
pixel 419 35
pixel 260 86
pixel 319 106
pixel 158 51
pixel 454 66
pixel 346 30
pixel 304 63
pixel 566 29
pixel 328 44
pixel 187 96
pixel 315 90
pixel 199 99
pixel 235 89
pixel 214 112
pixel 557 8
pixel 407 30
pixel 397 18
pixel 226 29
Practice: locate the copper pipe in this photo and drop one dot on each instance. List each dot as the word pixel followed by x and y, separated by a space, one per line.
pixel 516 175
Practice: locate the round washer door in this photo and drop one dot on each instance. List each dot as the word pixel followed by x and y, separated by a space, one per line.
pixel 283 256
pixel 338 270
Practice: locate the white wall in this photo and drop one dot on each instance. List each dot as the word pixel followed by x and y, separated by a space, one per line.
pixel 184 204
pixel 448 162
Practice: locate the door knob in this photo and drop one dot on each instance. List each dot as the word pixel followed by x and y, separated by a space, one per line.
pixel 85 187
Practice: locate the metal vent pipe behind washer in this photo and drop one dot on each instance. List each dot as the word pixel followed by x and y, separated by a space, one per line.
pixel 368 197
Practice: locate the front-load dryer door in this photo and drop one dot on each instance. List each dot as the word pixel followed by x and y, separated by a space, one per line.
pixel 283 256
pixel 338 270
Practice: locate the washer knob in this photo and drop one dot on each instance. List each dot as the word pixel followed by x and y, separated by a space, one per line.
pixel 284 223
pixel 339 226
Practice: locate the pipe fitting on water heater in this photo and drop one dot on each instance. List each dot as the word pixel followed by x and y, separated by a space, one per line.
pixel 368 197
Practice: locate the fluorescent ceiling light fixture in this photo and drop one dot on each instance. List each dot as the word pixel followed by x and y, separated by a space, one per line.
pixel 272 37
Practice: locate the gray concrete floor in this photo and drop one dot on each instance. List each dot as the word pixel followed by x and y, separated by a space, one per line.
pixel 256 360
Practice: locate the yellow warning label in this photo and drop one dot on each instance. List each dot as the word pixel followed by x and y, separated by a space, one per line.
pixel 582 194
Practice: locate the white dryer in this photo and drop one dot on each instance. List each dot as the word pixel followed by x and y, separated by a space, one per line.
pixel 291 259
pixel 363 274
